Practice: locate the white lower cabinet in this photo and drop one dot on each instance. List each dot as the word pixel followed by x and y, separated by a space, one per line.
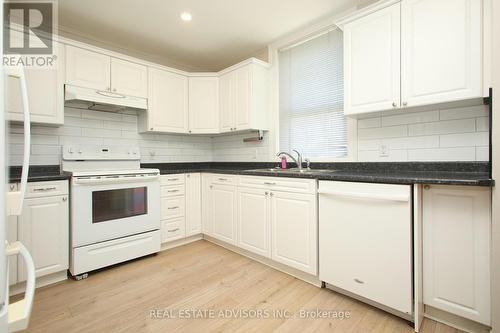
pixel 224 215
pixel 43 227
pixel 206 204
pixel 294 222
pixel 456 250
pixel 173 207
pixel 254 227
pixel 193 204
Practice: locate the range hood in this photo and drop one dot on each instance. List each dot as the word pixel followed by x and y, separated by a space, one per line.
pixel 101 100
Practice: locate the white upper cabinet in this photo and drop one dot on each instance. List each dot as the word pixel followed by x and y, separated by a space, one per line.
pixel 372 62
pixel 412 53
pixel 167 103
pixel 128 78
pixel 88 69
pixel 94 70
pixel 203 105
pixel 45 94
pixel 243 97
pixel 456 250
pixel 441 51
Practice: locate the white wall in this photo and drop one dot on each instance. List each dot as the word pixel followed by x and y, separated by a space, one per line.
pixel 94 127
pixel 231 148
pixel 433 134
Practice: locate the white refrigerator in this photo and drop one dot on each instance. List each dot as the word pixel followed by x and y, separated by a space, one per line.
pixel 15 316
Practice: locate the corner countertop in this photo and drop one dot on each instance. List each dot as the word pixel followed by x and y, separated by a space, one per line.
pixel 38 173
pixel 444 173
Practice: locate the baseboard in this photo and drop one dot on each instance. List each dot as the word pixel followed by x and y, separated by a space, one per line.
pixel 312 279
pixel 455 321
pixel 42 281
pixel 180 242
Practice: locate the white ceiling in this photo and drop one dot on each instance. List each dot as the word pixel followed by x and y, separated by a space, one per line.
pixel 221 33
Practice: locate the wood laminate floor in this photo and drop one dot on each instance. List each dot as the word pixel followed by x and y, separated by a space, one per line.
pixel 202 279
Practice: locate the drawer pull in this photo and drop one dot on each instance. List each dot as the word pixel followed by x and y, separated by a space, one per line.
pixel 44 189
pixel 359 281
pixel 223 179
pixel 175 207
pixel 269 183
pixel 172 191
pixel 172 179
pixel 173 230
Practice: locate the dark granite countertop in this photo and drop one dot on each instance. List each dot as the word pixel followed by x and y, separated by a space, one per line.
pixel 446 173
pixel 38 173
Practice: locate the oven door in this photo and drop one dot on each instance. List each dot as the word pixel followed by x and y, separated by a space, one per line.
pixel 110 207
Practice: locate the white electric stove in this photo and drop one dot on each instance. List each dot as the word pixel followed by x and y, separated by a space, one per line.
pixel 115 206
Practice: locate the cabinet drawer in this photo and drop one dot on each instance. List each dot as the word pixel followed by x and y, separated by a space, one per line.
pixel 172 207
pixel 172 230
pixel 176 179
pixel 45 189
pixel 224 179
pixel 295 185
pixel 172 191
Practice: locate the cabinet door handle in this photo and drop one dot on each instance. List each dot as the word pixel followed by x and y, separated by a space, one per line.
pixel 405 103
pixel 172 179
pixel 172 191
pixel 175 207
pixel 44 189
pixel 173 230
pixel 271 194
pixel 394 104
pixel 223 179
pixel 266 193
pixel 359 281
pixel 65 199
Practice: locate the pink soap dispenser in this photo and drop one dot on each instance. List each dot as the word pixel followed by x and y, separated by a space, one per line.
pixel 283 162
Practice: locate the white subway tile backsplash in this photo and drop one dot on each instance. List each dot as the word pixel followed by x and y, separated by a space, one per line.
pixel 459 133
pixel 464 139
pixel 383 132
pixel 443 154
pixel 443 127
pixel 464 112
pixel 482 124
pixel 410 118
pixel 369 122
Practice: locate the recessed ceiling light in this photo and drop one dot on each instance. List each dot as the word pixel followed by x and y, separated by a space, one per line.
pixel 186 16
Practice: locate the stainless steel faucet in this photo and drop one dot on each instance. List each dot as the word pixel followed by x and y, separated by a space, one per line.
pixel 297 160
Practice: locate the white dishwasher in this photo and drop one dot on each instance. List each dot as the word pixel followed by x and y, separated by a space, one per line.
pixel 365 241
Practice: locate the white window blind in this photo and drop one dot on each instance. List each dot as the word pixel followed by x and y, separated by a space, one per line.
pixel 311 97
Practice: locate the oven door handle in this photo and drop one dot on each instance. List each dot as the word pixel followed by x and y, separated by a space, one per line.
pixel 119 180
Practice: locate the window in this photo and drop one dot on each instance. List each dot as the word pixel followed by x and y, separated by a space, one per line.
pixel 311 97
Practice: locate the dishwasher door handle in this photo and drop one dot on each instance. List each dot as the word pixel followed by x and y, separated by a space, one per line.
pixel 365 196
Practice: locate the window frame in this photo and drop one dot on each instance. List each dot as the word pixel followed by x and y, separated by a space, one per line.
pixel 274 49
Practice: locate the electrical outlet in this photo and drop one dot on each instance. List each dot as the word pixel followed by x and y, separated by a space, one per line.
pixel 383 150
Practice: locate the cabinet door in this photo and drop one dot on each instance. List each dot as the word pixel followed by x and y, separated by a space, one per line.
pixel 294 230
pixel 168 101
pixel 456 250
pixel 45 94
pixel 193 204
pixel 43 229
pixel 206 204
pixel 203 105
pixel 87 69
pixel 128 78
pixel 224 213
pixel 254 231
pixel 242 98
pixel 434 71
pixel 372 62
pixel 226 87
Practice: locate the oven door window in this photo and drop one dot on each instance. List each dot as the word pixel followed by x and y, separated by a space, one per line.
pixel 118 204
